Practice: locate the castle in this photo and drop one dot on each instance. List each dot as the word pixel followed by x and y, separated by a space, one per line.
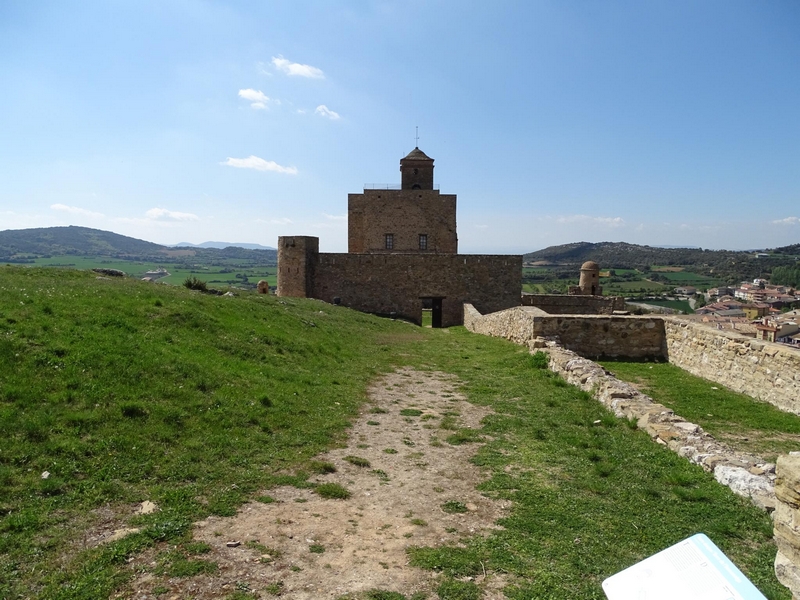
pixel 402 254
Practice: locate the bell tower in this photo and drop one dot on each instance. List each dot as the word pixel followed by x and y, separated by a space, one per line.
pixel 416 171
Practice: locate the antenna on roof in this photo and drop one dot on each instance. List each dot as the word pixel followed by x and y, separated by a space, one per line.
pixel 416 139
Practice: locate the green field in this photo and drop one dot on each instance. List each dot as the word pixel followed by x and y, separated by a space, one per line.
pixel 231 272
pixel 626 287
pixel 736 419
pixel 125 391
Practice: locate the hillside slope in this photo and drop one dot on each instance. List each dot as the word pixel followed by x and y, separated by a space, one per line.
pixel 115 391
pixel 72 240
pixel 722 264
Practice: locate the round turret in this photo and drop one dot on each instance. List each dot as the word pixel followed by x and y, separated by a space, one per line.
pixel 590 279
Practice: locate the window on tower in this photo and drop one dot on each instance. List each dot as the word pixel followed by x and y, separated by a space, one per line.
pixel 423 241
pixel 389 241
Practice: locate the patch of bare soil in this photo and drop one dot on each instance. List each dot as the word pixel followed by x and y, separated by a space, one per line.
pixel 305 547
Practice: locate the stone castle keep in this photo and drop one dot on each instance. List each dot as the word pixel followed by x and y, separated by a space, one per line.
pixel 402 253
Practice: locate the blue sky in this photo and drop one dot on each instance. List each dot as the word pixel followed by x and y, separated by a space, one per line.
pixel 659 122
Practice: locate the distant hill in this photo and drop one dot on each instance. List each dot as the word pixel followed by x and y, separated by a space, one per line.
pixel 221 245
pixel 722 264
pixel 622 254
pixel 72 240
pixel 23 245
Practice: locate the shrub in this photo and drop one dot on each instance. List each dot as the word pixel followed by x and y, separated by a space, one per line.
pixel 193 283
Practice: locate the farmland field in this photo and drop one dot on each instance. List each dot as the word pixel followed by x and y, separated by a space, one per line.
pixel 235 272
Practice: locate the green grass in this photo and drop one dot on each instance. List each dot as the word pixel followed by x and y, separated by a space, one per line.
pixel 126 391
pixel 734 418
pixel 427 317
pixel 357 461
pixel 332 491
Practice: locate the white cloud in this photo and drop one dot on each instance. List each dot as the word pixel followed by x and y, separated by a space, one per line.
pixel 788 221
pixel 296 69
pixel 606 221
pixel 74 210
pixel 335 217
pixel 162 214
pixel 257 98
pixel 281 221
pixel 324 111
pixel 259 164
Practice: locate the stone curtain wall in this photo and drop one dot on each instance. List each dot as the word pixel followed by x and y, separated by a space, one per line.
pixel 589 335
pixel 558 304
pixel 515 324
pixel 597 336
pixel 763 370
pixel 394 284
pixel 786 521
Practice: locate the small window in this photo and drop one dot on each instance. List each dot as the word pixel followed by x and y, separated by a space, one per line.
pixel 423 241
pixel 389 239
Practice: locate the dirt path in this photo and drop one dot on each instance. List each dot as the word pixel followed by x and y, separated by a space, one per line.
pixel 408 493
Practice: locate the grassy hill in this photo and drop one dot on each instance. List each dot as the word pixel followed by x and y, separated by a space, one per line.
pixel 73 245
pixel 72 240
pixel 123 391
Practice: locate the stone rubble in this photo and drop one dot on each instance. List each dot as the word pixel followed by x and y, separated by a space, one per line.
pixel 745 474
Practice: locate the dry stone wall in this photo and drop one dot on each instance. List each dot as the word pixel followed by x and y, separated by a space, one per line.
pixel 763 370
pixel 746 474
pixel 589 335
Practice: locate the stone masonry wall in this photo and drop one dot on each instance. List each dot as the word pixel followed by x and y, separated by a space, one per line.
pixel 297 256
pixel 394 284
pixel 786 520
pixel 759 369
pixel 763 370
pixel 559 304
pixel 589 335
pixel 405 214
